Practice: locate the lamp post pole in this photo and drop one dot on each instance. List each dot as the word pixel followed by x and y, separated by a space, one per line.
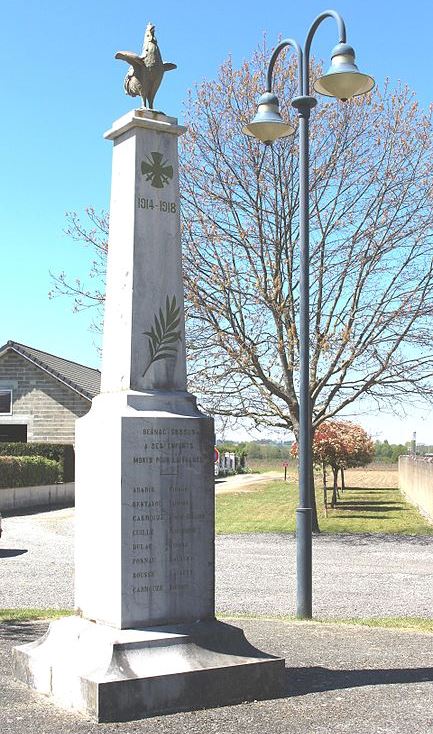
pixel 343 80
pixel 304 551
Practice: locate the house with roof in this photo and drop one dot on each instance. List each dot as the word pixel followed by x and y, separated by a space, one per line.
pixel 42 395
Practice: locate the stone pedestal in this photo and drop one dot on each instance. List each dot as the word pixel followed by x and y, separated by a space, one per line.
pixel 144 639
pixel 144 511
pixel 120 675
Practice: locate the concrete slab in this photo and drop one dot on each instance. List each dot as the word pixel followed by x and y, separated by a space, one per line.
pixel 121 675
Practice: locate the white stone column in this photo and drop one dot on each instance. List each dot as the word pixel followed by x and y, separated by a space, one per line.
pixel 144 468
pixel 144 295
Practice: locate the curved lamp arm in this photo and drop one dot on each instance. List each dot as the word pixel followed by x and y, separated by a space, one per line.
pixel 296 47
pixel 310 35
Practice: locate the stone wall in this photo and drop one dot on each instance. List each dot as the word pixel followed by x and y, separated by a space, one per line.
pixel 26 498
pixel 415 479
pixel 48 407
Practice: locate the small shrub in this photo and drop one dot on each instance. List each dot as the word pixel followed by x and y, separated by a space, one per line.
pixel 62 453
pixel 243 470
pixel 28 471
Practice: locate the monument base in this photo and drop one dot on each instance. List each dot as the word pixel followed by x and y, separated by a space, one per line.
pixel 122 675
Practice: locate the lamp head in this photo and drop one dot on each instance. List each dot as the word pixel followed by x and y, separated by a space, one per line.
pixel 343 78
pixel 268 125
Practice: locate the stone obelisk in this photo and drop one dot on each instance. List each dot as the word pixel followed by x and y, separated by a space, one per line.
pixel 145 504
pixel 144 638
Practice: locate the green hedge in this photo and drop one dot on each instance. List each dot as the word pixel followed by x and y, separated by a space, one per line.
pixel 28 471
pixel 62 453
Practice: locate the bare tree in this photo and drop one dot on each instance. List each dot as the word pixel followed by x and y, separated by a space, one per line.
pixel 371 252
pixel 93 234
pixel 371 262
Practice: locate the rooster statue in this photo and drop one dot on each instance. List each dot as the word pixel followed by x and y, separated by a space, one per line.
pixel 146 71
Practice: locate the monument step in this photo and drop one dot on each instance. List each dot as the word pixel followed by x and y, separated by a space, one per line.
pixel 121 675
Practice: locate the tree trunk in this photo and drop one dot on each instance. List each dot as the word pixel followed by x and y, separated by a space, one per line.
pixel 314 518
pixel 325 490
pixel 335 487
pixel 343 483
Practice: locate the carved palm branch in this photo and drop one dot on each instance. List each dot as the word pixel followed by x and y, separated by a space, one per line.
pixel 164 334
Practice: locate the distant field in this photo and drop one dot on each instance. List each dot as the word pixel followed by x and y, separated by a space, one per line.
pixel 264 465
pixel 371 503
pixel 377 475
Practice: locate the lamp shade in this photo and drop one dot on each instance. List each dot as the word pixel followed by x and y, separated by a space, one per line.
pixel 268 125
pixel 343 79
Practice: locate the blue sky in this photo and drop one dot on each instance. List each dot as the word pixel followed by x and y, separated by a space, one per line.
pixel 62 88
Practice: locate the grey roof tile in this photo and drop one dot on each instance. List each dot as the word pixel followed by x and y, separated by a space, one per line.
pixel 82 379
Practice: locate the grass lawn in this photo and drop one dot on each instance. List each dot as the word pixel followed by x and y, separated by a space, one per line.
pixel 265 465
pixel 363 508
pixel 407 624
pixel 413 624
pixel 27 615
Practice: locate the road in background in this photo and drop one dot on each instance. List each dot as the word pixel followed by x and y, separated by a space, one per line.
pixel 354 575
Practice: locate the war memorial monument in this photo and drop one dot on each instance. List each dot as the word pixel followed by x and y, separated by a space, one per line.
pixel 144 639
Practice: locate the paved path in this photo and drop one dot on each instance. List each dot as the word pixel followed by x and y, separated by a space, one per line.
pixel 244 482
pixel 340 680
pixel 353 575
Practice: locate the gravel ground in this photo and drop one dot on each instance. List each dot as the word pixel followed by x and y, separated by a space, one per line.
pixel 353 575
pixel 340 680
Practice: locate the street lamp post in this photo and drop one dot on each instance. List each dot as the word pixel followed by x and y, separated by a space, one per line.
pixel 343 80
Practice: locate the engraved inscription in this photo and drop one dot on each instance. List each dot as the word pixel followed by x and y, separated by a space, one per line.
pixel 167 512
pixel 164 207
pixel 146 589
